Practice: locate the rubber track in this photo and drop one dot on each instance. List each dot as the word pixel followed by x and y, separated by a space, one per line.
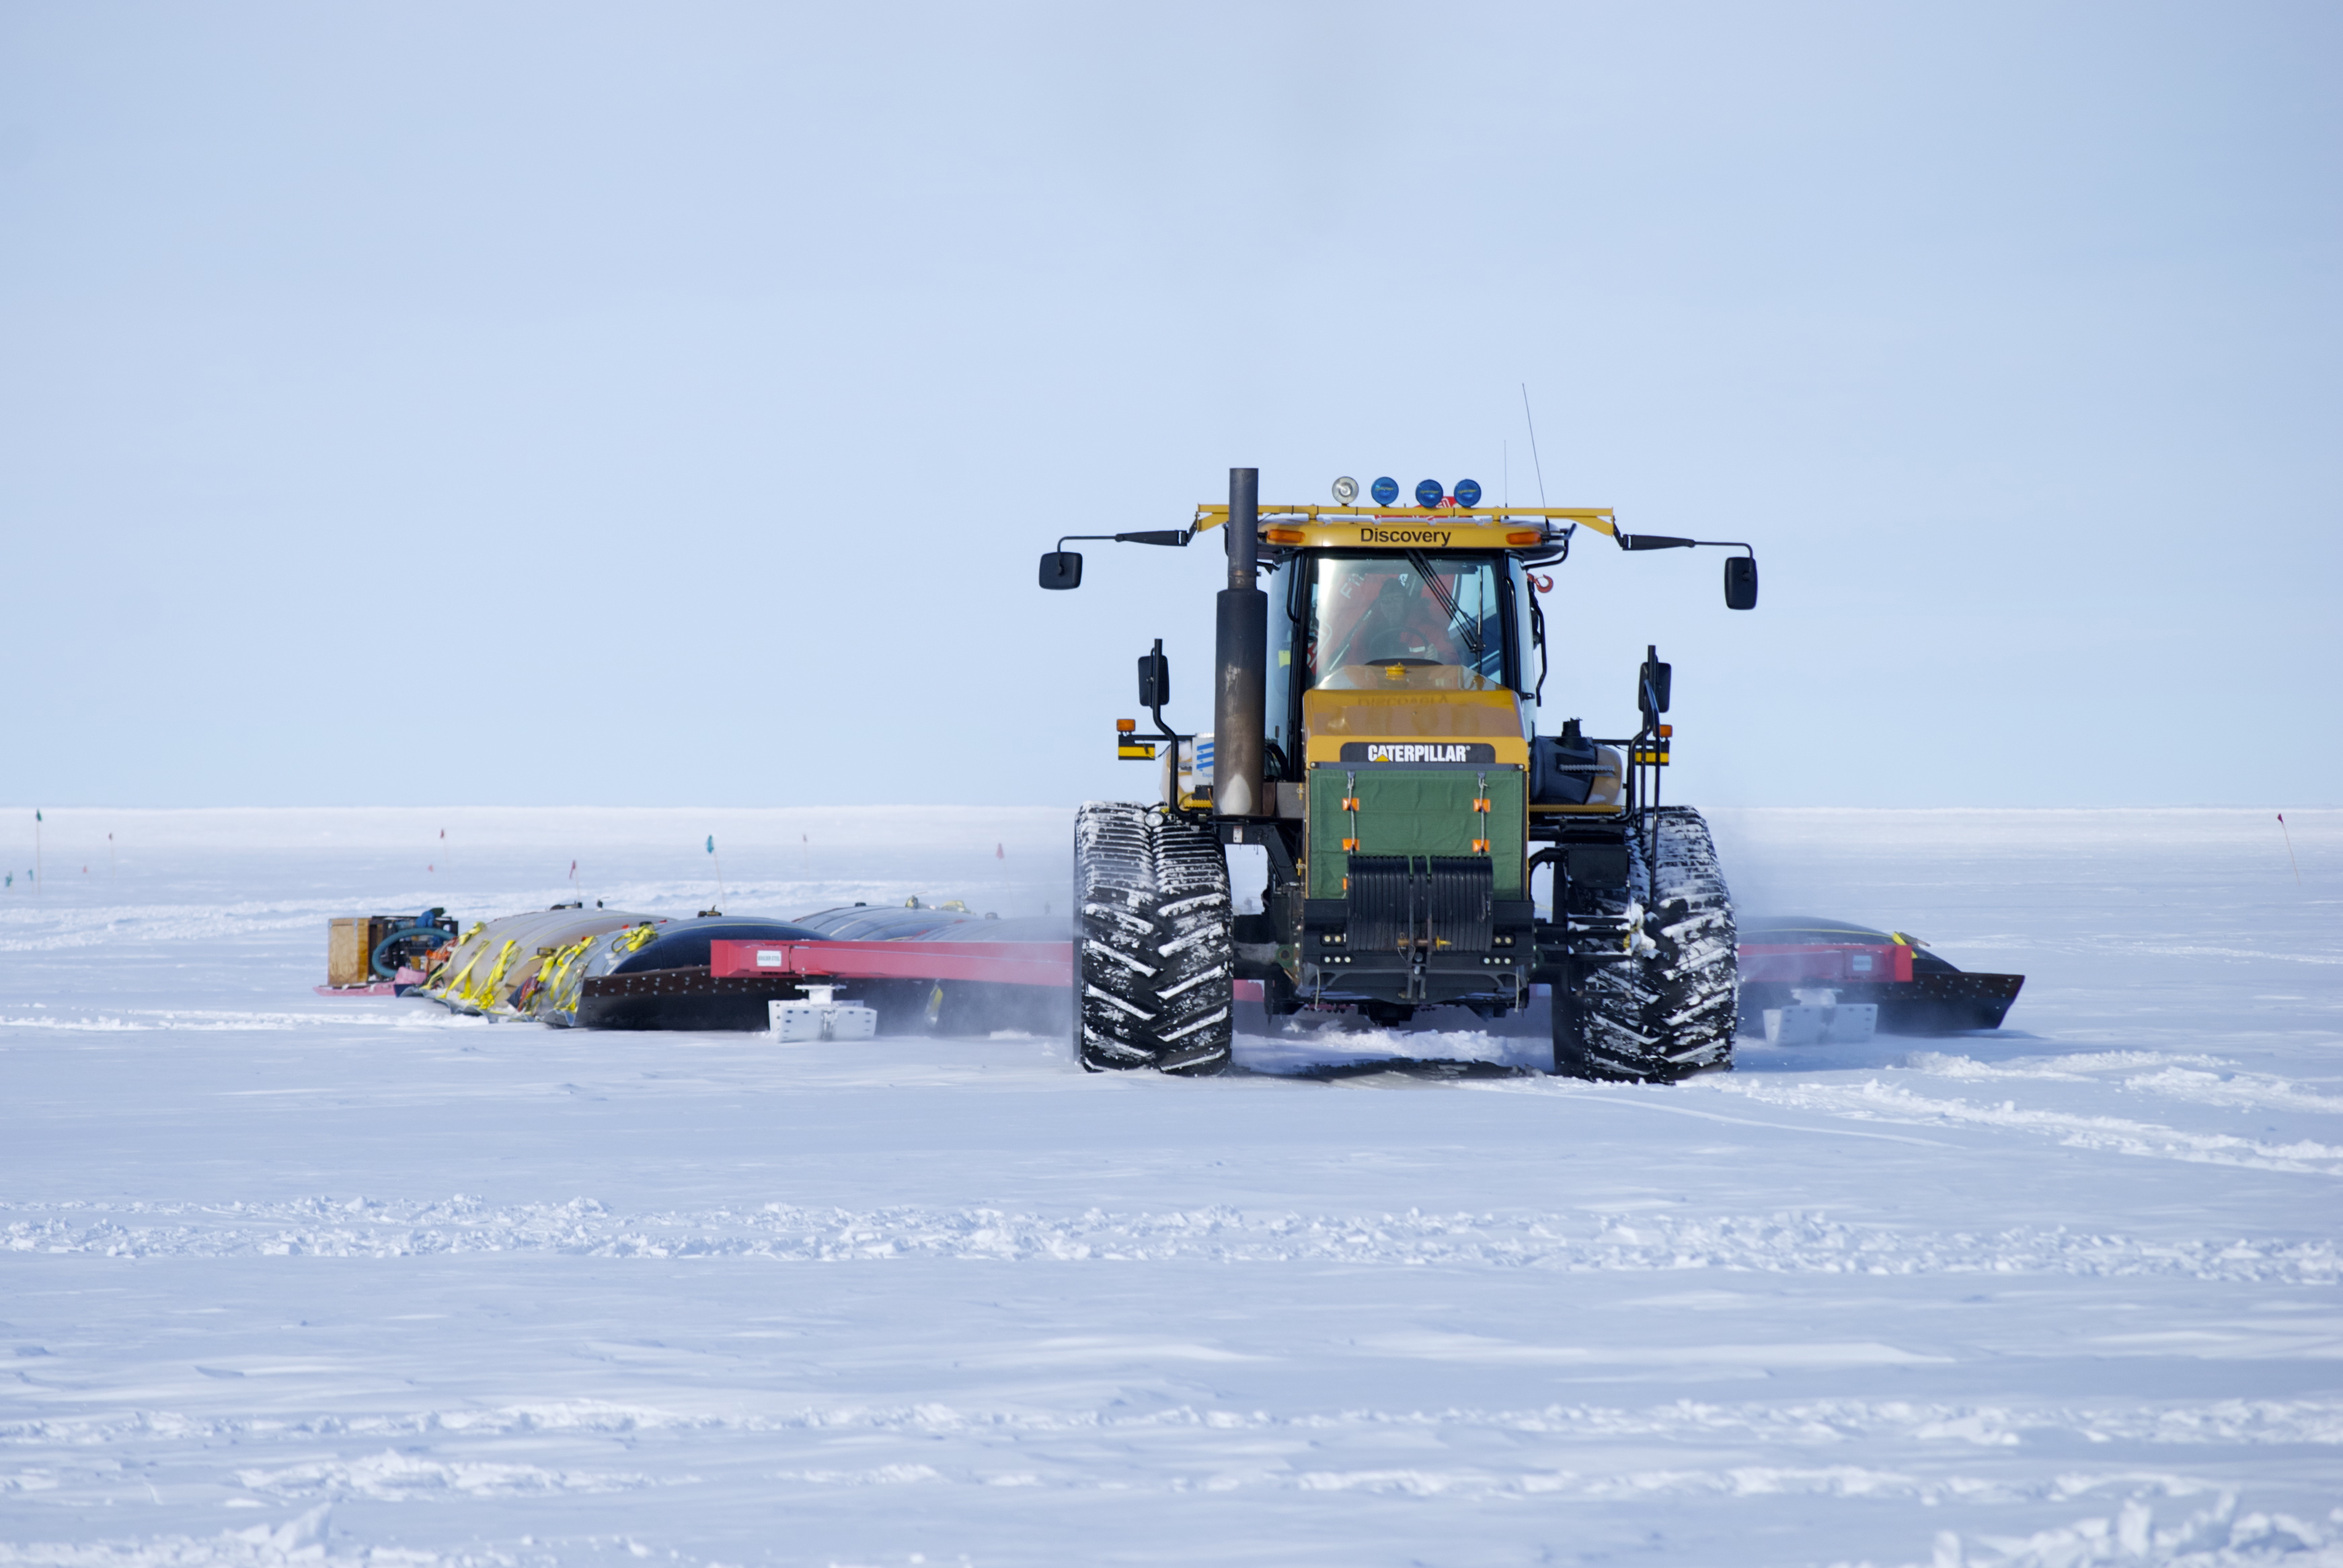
pixel 1671 1013
pixel 1155 941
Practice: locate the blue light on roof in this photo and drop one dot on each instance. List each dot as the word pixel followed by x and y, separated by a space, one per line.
pixel 1429 493
pixel 1386 491
pixel 1468 492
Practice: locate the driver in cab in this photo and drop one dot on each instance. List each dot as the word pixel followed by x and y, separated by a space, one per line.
pixel 1399 626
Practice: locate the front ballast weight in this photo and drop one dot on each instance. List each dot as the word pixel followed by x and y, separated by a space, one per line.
pixel 1154 942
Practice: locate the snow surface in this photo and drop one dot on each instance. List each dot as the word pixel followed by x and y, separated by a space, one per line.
pixel 294 1279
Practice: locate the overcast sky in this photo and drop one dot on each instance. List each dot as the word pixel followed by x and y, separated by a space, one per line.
pixel 665 404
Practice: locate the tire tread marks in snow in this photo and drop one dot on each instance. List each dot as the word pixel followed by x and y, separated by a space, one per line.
pixel 1671 1011
pixel 1153 939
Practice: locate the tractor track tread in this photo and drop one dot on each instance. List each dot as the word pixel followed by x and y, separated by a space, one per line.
pixel 1154 938
pixel 1672 1012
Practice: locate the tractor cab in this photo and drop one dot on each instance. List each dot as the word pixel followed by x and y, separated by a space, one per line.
pixel 1356 620
pixel 1429 623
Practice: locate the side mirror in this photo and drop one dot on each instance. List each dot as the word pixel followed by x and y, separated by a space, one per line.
pixel 1061 569
pixel 1741 582
pixel 1154 677
pixel 1652 685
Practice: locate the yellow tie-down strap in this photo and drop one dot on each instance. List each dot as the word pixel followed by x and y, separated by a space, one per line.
pixel 453 985
pixel 484 995
pixel 552 972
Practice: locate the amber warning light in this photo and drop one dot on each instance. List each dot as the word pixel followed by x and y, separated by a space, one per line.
pixel 1130 748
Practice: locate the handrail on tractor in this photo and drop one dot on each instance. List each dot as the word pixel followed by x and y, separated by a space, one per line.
pixel 1600 519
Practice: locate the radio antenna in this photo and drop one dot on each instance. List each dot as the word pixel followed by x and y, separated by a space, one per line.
pixel 1534 451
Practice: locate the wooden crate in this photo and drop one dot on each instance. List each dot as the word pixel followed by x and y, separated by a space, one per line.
pixel 350 950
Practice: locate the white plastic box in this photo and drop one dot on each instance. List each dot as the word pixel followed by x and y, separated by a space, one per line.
pixel 817 1017
pixel 1821 1019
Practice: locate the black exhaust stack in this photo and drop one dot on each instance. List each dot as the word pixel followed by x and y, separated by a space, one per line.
pixel 1243 647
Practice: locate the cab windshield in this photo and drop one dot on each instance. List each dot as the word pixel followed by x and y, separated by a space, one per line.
pixel 1413 619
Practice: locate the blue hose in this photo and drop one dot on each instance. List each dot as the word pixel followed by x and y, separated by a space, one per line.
pixel 384 970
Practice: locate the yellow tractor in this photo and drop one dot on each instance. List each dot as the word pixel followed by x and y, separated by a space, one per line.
pixel 1375 731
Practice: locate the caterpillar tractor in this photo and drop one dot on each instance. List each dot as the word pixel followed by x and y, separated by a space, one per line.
pixel 1375 732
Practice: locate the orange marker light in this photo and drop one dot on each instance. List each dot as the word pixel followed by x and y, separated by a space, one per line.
pixel 1666 730
pixel 1523 537
pixel 1282 536
pixel 1126 725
